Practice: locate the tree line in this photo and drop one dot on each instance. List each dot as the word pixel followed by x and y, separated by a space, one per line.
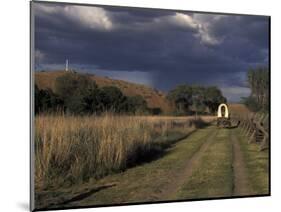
pixel 194 99
pixel 78 94
pixel 258 81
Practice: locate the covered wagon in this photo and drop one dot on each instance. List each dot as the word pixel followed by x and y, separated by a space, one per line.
pixel 223 119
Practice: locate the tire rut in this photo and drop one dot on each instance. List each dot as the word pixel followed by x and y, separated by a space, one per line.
pixel 241 186
pixel 192 164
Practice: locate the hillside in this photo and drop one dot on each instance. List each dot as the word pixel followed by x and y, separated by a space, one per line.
pixel 236 108
pixel 153 97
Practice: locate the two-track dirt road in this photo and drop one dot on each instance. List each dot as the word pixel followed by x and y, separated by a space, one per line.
pixel 209 163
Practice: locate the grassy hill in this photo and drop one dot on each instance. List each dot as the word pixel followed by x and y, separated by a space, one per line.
pixel 154 98
pixel 237 108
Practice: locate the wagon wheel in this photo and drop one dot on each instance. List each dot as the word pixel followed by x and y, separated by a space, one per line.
pixel 227 123
pixel 218 122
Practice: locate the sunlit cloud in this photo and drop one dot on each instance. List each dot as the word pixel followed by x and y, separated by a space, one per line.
pixel 89 17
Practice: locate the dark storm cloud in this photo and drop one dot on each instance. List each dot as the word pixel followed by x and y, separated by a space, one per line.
pixel 124 15
pixel 171 47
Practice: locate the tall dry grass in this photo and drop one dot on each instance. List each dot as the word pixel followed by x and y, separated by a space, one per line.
pixel 72 149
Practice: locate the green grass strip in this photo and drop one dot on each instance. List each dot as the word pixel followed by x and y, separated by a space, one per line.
pixel 257 164
pixel 214 175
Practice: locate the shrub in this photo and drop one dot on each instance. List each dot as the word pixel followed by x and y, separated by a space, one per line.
pixel 77 91
pixel 46 101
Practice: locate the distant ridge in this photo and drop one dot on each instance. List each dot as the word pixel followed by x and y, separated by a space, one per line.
pixel 153 97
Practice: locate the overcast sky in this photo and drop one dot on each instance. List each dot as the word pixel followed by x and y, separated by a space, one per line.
pixel 159 48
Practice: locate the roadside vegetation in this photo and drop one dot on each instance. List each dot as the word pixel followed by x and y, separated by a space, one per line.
pixel 257 163
pixel 71 149
pixel 145 182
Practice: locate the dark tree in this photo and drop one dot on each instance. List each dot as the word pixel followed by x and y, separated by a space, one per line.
pixel 155 111
pixel 78 92
pixel 196 99
pixel 213 98
pixel 47 101
pixel 182 98
pixel 258 80
pixel 135 105
pixel 111 98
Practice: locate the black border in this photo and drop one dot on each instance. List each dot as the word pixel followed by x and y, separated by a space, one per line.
pixel 31 66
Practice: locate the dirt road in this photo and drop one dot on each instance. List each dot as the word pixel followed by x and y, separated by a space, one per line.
pixel 209 163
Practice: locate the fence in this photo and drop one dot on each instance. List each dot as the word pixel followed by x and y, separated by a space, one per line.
pixel 256 128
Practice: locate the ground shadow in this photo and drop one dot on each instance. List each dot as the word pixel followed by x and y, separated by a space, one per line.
pixel 159 148
pixel 156 151
pixel 55 200
pixel 87 194
pixel 232 127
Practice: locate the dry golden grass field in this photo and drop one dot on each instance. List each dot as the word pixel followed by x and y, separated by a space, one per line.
pixel 70 149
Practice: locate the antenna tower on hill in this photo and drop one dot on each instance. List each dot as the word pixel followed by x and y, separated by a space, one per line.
pixel 66 65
